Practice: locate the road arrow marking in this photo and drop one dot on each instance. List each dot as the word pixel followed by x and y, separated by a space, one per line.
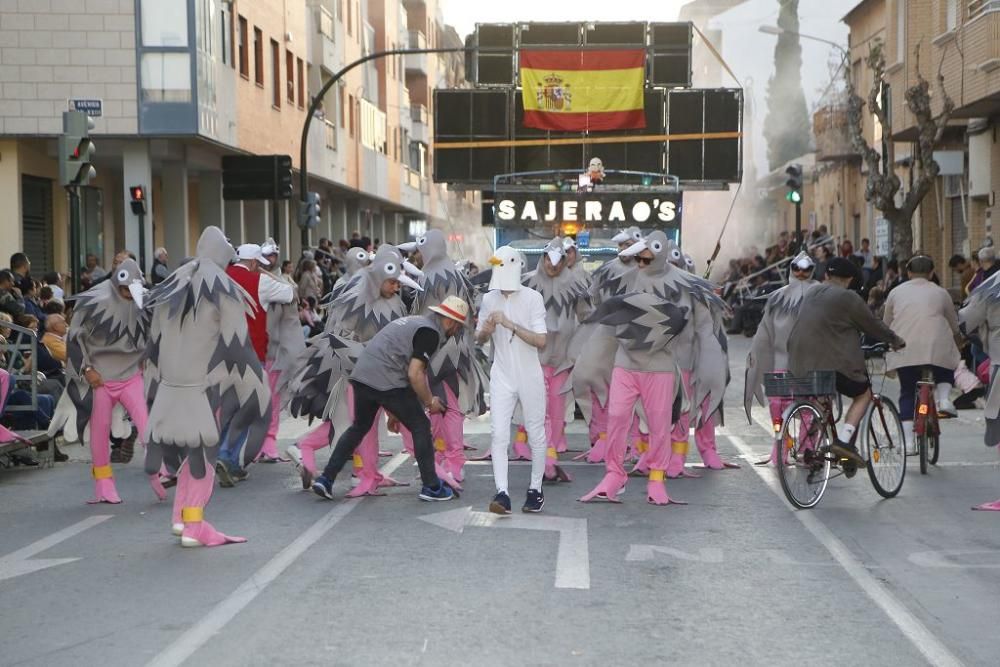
pixel 572 558
pixel 643 552
pixel 16 563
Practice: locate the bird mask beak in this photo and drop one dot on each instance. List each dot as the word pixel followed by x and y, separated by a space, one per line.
pixel 633 249
pixel 495 261
pixel 620 237
pixel 555 256
pixel 410 246
pixel 412 269
pixel 409 282
pixel 138 293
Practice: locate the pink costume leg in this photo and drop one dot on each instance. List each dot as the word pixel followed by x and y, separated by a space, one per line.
pixel 555 408
pixel 132 395
pixel 621 401
pixel 318 438
pixel 598 432
pixel 656 390
pixel 269 450
pixel 452 430
pixel 521 450
pixel 680 437
pixel 195 494
pixel 100 447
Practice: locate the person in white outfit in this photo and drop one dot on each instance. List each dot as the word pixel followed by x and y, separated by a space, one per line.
pixel 512 316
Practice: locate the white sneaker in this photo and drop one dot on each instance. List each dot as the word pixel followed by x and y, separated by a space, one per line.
pixel 910 437
pixel 294 454
pixel 942 396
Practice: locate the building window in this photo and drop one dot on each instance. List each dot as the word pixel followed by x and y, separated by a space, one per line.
pixel 166 77
pixel 350 17
pixel 951 14
pixel 343 112
pixel 302 82
pixel 350 107
pixel 900 30
pixel 258 53
pixel 226 43
pixel 164 23
pixel 244 49
pixel 275 74
pixel 290 76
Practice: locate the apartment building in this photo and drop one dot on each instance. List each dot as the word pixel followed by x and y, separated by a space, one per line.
pixel 182 83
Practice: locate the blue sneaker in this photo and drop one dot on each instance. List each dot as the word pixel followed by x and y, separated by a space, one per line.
pixel 500 504
pixel 323 487
pixel 431 494
pixel 534 501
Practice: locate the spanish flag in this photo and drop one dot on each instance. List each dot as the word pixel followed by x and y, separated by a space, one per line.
pixel 583 91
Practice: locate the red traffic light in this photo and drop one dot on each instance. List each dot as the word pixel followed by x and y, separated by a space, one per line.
pixel 137 193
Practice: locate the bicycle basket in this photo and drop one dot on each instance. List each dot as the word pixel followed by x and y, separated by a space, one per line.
pixel 786 385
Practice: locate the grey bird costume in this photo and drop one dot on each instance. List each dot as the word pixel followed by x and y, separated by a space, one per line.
pixel 202 372
pixel 981 314
pixel 567 302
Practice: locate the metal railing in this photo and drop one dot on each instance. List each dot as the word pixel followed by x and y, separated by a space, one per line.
pixel 980 7
pixel 23 348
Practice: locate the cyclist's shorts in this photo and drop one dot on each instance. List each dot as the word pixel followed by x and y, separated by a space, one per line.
pixel 851 388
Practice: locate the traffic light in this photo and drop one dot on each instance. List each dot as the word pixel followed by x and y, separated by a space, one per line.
pixel 76 150
pixel 138 195
pixel 309 211
pixel 794 183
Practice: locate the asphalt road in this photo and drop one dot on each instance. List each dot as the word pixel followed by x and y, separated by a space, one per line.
pixel 736 576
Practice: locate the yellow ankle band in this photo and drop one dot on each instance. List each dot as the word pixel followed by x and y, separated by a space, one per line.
pixel 192 514
pixel 102 472
pixel 521 437
pixel 439 444
pixel 642 446
pixel 602 435
pixel 357 461
pixel 680 447
pixel 655 475
pixel 552 453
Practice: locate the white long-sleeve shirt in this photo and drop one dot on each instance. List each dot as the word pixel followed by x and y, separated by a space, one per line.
pixel 271 291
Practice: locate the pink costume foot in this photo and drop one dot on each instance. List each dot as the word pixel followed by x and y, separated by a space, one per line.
pixel 158 488
pixel 608 489
pixel 203 534
pixel 104 487
pixel 485 456
pixel 656 490
pixel 989 507
pixel 366 486
pixel 467 447
pixel 596 453
pixel 553 471
pixel 447 477
pixel 678 456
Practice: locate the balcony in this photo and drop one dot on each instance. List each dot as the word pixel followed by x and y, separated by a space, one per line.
pixel 326 52
pixel 417 63
pixel 420 130
pixel 833 139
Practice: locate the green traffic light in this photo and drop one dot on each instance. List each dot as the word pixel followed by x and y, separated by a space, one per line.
pixel 794 196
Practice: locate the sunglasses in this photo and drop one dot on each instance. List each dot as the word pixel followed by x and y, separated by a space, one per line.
pixel 646 261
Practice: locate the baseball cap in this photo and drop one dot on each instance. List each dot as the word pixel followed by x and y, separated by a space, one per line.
pixel 841 267
pixel 251 251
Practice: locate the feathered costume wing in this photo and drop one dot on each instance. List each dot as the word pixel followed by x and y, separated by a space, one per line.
pixel 318 382
pixel 981 314
pixel 455 363
pixel 768 350
pixel 102 319
pixel 202 373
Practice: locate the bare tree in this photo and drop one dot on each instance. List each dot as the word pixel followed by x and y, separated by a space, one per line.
pixel 883 184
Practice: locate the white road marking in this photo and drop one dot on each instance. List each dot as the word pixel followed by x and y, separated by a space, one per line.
pixel 947 559
pixel 16 563
pixel 215 620
pixel 918 634
pixel 572 558
pixel 644 552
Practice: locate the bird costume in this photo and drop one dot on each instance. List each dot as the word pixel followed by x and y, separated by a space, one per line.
pixel 659 302
pixel 319 382
pixel 108 335
pixel 453 373
pixel 203 378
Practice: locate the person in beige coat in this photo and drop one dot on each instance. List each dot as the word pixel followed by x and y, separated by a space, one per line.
pixel 924 315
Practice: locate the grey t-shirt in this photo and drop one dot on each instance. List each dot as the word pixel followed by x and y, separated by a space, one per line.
pixel 386 359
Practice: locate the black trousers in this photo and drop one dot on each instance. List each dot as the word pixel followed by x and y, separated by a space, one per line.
pixel 406 407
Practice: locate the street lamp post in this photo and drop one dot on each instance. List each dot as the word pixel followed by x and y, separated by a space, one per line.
pixel 318 99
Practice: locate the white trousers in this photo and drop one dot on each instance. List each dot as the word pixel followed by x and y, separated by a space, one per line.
pixel 503 400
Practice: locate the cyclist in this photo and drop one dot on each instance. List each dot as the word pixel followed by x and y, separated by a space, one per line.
pixel 923 313
pixel 827 336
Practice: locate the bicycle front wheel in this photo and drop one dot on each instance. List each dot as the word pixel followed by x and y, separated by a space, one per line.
pixel 933 448
pixel 884 445
pixel 803 466
pixel 922 446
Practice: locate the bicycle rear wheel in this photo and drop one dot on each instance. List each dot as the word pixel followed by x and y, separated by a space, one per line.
pixel 884 445
pixel 922 447
pixel 933 446
pixel 803 467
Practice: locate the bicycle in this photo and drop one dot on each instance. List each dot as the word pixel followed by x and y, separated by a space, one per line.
pixel 926 427
pixel 808 430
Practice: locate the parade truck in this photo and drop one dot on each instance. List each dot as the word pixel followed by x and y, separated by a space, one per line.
pixel 582 129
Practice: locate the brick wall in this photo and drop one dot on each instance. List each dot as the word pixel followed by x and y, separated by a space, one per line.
pixel 54 50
